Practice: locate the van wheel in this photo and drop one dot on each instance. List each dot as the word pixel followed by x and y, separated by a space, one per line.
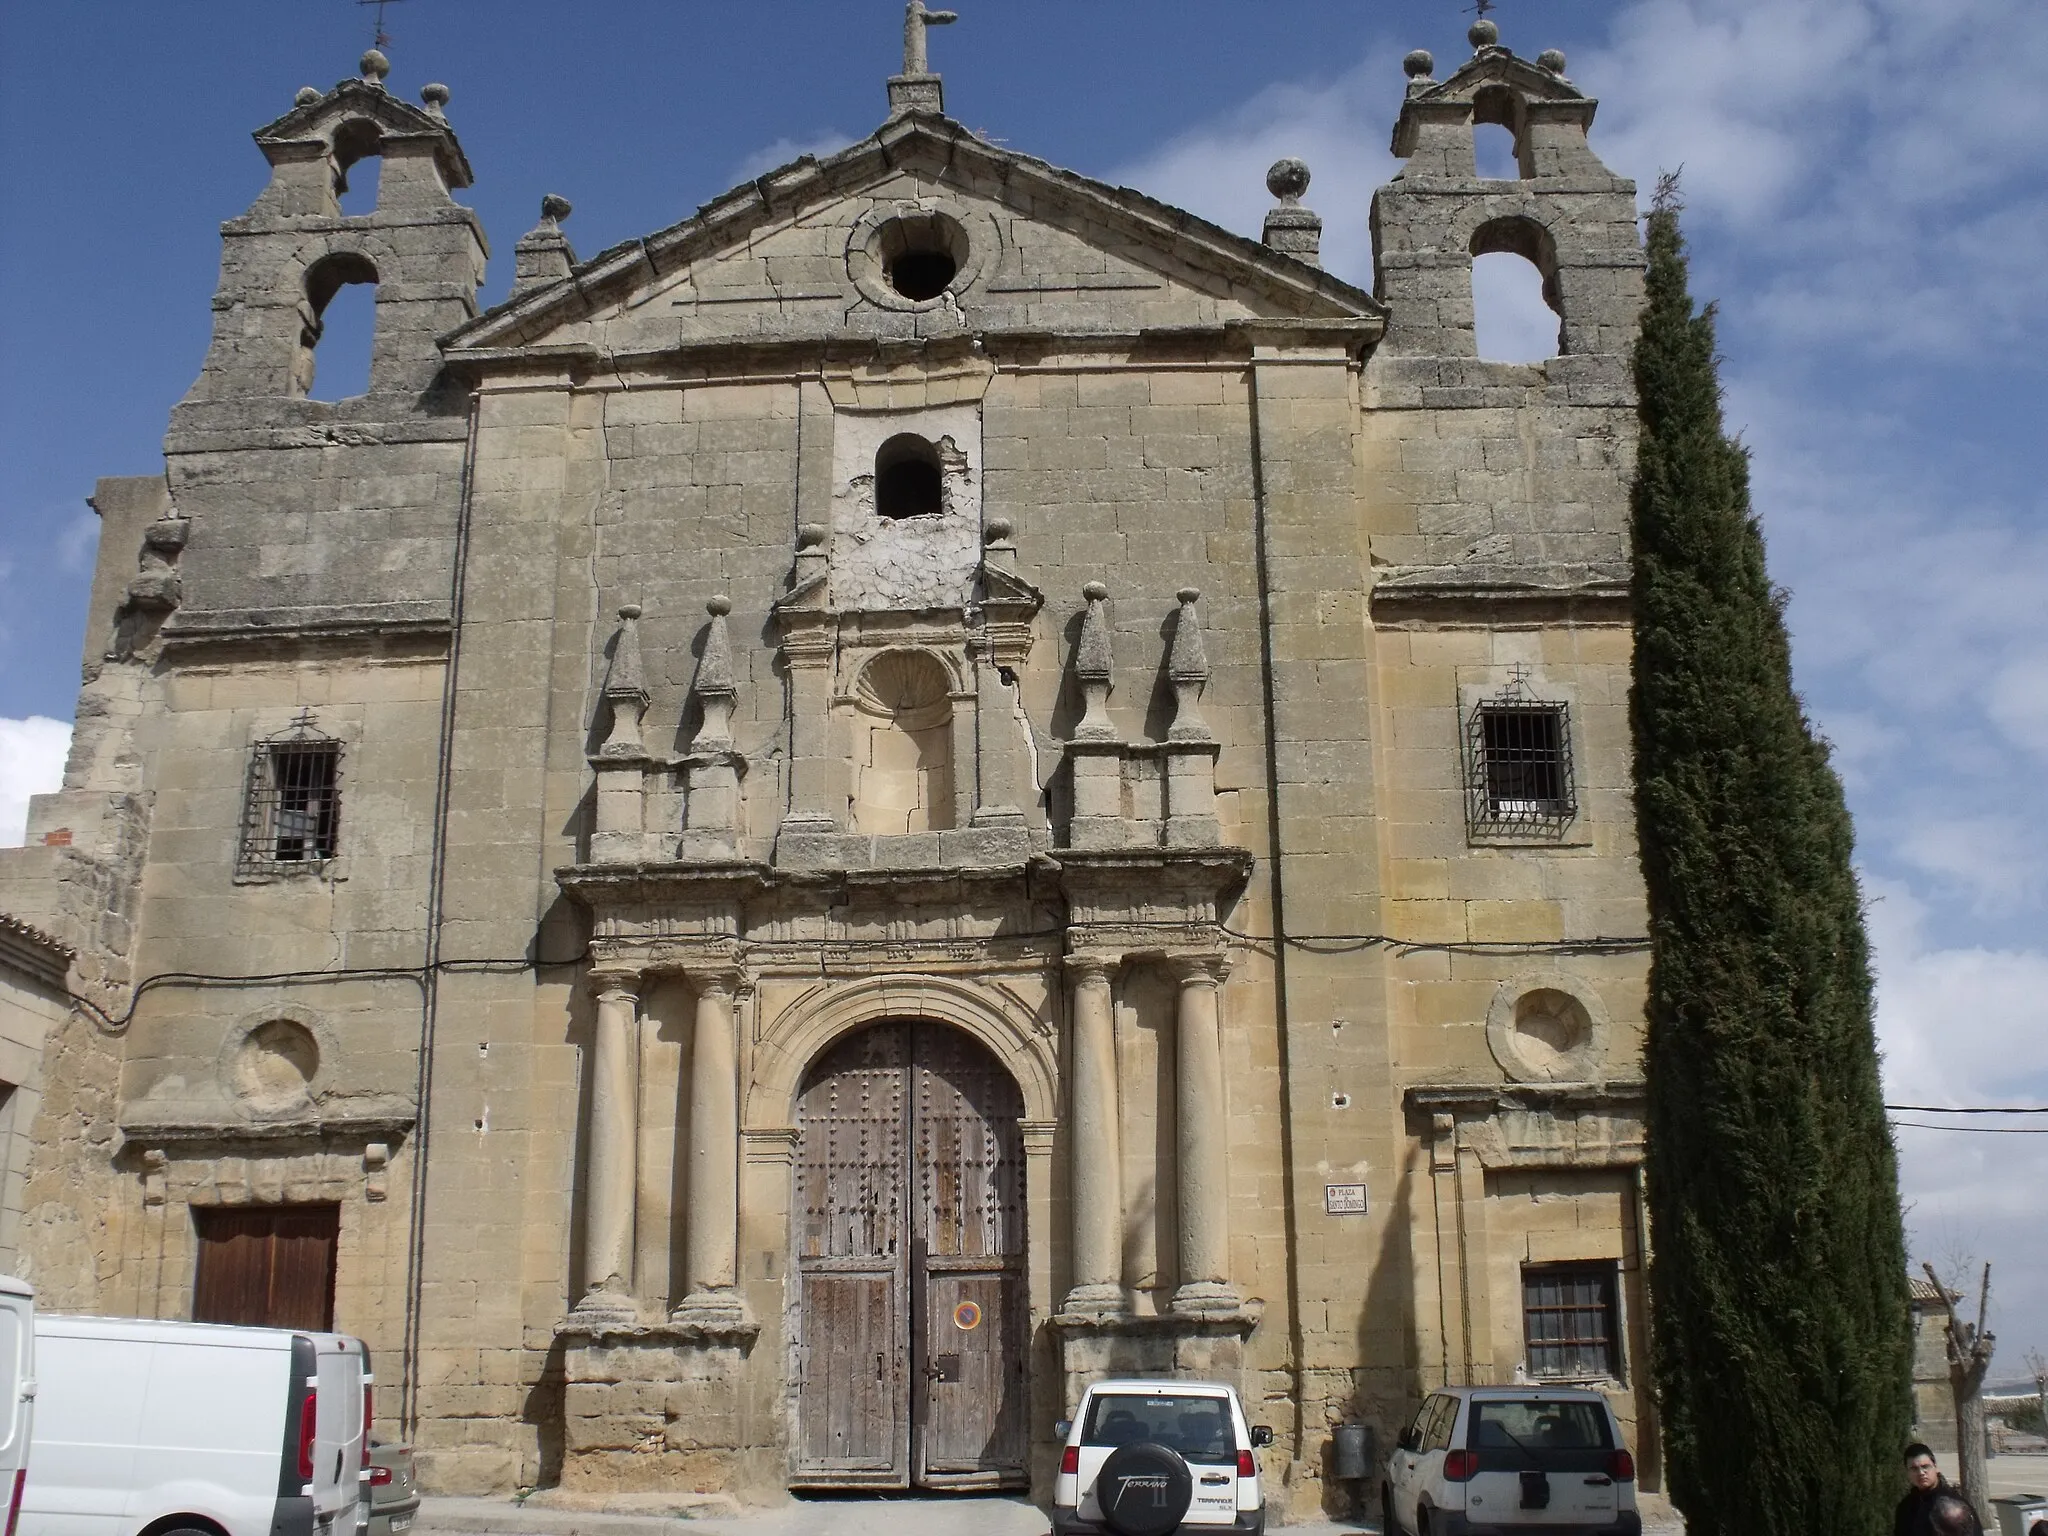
pixel 1421 1522
pixel 1387 1515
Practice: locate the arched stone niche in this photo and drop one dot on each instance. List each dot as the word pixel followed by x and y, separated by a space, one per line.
pixel 1548 1027
pixel 902 737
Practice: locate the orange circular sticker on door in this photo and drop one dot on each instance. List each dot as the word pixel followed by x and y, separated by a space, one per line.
pixel 966 1316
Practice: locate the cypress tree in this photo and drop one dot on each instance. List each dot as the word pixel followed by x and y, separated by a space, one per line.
pixel 1778 1305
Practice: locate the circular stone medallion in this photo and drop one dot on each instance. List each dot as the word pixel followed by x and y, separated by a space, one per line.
pixel 275 1064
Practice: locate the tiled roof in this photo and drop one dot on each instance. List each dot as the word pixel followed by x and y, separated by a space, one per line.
pixel 35 936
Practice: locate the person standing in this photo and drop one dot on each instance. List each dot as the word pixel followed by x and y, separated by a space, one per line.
pixel 1930 1494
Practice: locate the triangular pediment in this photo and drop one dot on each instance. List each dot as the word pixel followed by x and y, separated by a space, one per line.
pixel 1493 86
pixel 1041 250
pixel 1497 66
pixel 353 103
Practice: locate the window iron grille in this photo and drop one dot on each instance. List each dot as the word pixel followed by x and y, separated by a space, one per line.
pixel 292 817
pixel 1569 1319
pixel 1519 763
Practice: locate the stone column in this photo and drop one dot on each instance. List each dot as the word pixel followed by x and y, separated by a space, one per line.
pixel 610 1186
pixel 1094 1153
pixel 711 1233
pixel 1202 1135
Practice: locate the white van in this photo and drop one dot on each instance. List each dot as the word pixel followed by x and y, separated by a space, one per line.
pixel 17 1387
pixel 194 1428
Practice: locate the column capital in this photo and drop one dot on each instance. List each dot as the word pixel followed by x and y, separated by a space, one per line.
pixel 615 979
pixel 1087 967
pixel 715 980
pixel 1193 970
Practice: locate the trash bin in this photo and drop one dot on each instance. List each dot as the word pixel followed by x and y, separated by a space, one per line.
pixel 1351 1452
pixel 2019 1512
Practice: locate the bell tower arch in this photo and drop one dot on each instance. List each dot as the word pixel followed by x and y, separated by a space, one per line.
pixel 1565 212
pixel 283 260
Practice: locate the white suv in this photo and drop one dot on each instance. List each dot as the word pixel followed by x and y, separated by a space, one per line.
pixel 1512 1459
pixel 1146 1458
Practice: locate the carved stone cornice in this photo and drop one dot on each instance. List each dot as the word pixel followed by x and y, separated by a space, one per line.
pixel 330 1130
pixel 1534 1125
pixel 1138 900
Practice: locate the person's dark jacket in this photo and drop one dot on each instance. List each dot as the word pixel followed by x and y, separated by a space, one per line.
pixel 1915 1516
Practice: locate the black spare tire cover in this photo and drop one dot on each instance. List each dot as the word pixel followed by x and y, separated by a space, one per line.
pixel 1144 1489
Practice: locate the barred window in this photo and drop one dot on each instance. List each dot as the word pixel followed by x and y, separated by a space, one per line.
pixel 1570 1320
pixel 293 814
pixel 1518 752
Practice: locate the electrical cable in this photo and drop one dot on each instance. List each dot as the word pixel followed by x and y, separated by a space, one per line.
pixel 115 1024
pixel 1976 1130
pixel 1972 1109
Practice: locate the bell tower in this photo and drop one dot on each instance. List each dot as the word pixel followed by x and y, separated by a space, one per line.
pixel 284 260
pixel 1571 217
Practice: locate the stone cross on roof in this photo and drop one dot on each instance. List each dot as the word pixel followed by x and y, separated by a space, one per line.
pixel 915 20
pixel 917 89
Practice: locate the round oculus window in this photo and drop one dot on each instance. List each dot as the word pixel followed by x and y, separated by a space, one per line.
pixel 911 257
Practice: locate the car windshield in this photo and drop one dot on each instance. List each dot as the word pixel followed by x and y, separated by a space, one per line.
pixel 1197 1427
pixel 1538 1426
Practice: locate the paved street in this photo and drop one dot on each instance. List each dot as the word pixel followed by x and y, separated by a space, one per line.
pixel 864 1516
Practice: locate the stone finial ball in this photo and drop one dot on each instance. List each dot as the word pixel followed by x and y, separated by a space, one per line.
pixel 375 66
pixel 434 95
pixel 1095 591
pixel 997 530
pixel 1287 179
pixel 306 96
pixel 810 535
pixel 1189 594
pixel 1418 64
pixel 629 611
pixel 719 606
pixel 556 207
pixel 1482 34
pixel 1551 59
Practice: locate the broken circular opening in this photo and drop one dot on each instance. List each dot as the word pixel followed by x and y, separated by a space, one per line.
pixel 907 478
pixel 921 254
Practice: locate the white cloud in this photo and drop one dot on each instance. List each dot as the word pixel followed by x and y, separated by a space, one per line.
pixel 31 763
pixel 1887 156
pixel 78 541
pixel 1510 321
pixel 772 157
pixel 1218 169
pixel 1962 1026
pixel 1865 192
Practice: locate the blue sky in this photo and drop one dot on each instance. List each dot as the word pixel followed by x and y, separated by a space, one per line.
pixel 1865 183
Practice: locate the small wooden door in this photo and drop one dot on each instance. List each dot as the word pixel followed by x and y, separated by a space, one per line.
pixel 909 1214
pixel 270 1266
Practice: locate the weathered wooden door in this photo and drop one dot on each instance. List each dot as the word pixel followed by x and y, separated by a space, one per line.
pixel 911 1320
pixel 268 1266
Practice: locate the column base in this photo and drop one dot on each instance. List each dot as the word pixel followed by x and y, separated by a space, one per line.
pixel 1206 1298
pixel 1206 1346
pixel 1095 1301
pixel 655 1410
pixel 714 1311
pixel 603 1309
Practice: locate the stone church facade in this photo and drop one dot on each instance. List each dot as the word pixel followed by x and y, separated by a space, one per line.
pixel 935 782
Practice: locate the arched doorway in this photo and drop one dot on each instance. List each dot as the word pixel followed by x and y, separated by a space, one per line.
pixel 909 1330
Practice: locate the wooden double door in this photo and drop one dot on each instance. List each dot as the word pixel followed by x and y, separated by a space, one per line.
pixel 911 1317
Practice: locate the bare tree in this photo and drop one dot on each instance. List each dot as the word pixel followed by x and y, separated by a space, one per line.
pixel 1969 1358
pixel 2037 1367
